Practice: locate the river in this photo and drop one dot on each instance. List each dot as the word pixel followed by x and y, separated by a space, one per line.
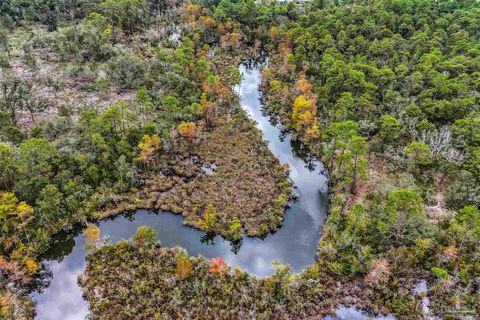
pixel 295 243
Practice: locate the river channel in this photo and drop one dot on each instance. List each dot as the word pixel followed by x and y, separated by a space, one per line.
pixel 295 243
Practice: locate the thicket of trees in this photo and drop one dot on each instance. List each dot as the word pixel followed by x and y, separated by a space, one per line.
pixel 390 88
pixel 56 173
pixel 406 73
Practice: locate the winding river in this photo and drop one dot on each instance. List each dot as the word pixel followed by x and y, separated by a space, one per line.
pixel 294 243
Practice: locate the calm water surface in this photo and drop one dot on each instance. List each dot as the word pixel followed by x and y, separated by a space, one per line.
pixel 294 243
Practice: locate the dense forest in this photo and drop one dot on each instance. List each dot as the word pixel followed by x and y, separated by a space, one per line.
pixel 104 105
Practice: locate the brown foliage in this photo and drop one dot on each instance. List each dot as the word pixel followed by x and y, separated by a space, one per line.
pixel 184 267
pixel 378 274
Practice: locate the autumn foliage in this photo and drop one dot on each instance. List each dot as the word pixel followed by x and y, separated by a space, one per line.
pixel 184 267
pixel 148 146
pixel 218 266
pixel 188 130
pixel 304 113
pixel 92 236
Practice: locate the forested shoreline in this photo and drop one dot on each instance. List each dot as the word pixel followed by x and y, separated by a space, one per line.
pixel 106 104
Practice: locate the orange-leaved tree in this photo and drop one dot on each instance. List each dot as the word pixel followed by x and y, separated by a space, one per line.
pixel 219 266
pixel 188 130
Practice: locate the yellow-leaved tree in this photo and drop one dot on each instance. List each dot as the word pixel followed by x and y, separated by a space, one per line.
pixel 148 146
pixel 184 267
pixel 92 235
pixel 304 114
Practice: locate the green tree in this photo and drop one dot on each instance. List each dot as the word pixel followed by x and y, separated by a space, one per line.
pixel 145 104
pixel 473 162
pixel 344 152
pixel 344 107
pixel 209 218
pixel 359 165
pixel 337 136
pixel 235 229
pixel 405 219
pixel 130 15
pixel 419 152
pixel 14 95
pixel 4 43
pixel 128 70
pixel 124 174
pixel 35 163
pixel 390 129
pixel 467 132
pixel 50 205
pixel 7 166
pixel 465 228
pixel 145 236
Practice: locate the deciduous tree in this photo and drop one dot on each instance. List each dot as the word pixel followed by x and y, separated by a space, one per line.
pixel 148 146
pixel 188 130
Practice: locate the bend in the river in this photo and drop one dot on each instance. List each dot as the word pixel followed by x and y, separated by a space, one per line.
pixel 294 243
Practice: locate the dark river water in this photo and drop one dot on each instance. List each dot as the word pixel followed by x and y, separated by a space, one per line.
pixel 294 243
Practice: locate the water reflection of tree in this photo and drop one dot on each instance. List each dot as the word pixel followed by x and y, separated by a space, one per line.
pixel 235 246
pixel 41 281
pixel 298 148
pixel 208 239
pixel 301 151
pixel 62 245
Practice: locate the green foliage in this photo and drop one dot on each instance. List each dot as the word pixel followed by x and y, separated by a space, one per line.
pixel 343 151
pixel 467 132
pixel 473 162
pixel 127 70
pixel 405 72
pixel 7 162
pixel 405 218
pixel 15 96
pixel 130 15
pixel 89 41
pixel 209 218
pixel 463 190
pixel 419 152
pixel 390 129
pixel 146 235
pixel 235 229
pixel 50 205
pixel 35 163
pixel 440 273
pixel 465 228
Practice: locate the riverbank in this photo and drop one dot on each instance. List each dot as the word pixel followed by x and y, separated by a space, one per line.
pixel 194 287
pixel 100 173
